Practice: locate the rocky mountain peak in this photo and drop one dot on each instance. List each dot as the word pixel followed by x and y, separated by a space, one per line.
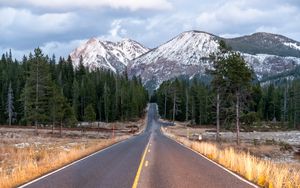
pixel 109 55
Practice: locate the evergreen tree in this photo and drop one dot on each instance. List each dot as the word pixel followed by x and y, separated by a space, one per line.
pixel 69 118
pixel 89 114
pixel 238 79
pixel 57 105
pixel 37 90
pixel 218 82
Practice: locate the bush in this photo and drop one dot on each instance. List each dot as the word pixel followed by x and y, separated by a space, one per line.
pixel 249 118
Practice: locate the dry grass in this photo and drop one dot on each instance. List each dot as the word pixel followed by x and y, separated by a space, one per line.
pixel 24 157
pixel 264 173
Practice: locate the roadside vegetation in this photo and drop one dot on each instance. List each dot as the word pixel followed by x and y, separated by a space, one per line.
pixel 265 173
pixel 25 156
pixel 232 100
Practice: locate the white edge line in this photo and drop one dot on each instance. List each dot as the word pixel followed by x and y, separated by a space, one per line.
pixel 77 161
pixel 222 167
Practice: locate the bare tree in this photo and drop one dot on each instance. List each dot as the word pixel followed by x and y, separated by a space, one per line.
pixel 10 104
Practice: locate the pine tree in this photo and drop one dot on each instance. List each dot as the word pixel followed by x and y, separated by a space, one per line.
pixel 75 98
pixel 89 114
pixel 57 105
pixel 218 82
pixel 37 92
pixel 69 116
pixel 238 78
pixel 106 101
pixel 296 114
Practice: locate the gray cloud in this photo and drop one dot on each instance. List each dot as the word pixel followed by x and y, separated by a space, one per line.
pixel 58 26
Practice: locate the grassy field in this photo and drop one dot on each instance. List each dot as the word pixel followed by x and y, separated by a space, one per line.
pixel 25 156
pixel 263 172
pixel 278 146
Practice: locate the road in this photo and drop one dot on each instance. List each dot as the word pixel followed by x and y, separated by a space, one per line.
pixel 147 160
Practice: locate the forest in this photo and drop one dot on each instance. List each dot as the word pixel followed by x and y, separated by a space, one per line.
pixel 40 90
pixel 195 101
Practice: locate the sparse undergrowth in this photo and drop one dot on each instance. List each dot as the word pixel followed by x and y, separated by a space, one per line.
pixel 264 173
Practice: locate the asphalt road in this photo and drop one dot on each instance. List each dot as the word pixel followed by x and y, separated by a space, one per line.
pixel 164 163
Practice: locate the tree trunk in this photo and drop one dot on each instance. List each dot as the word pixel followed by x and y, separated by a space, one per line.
pixel 200 113
pixel 113 132
pixel 218 116
pixel 60 131
pixel 193 111
pixel 53 128
pixel 294 100
pixel 36 99
pixel 285 104
pixel 9 121
pixel 237 106
pixel 165 109
pixel 174 106
pixel 186 105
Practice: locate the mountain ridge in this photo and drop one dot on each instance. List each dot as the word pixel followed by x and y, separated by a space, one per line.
pixel 188 54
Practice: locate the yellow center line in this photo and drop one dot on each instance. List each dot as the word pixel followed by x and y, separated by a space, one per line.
pixel 137 176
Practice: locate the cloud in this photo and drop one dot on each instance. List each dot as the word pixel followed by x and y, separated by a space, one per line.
pixel 54 24
pixel 23 26
pixel 245 17
pixel 25 19
pixel 94 4
pixel 60 49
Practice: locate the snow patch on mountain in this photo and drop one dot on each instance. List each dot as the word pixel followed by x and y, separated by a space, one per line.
pixel 266 65
pixel 292 45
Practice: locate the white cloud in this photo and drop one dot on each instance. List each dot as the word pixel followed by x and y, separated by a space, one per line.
pixel 116 31
pixel 230 35
pixel 17 54
pixel 94 4
pixel 22 21
pixel 245 17
pixel 61 48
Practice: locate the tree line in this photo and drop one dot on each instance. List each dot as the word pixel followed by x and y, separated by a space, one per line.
pixel 232 98
pixel 39 90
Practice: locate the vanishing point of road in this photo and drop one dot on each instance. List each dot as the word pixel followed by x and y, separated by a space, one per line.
pixel 147 160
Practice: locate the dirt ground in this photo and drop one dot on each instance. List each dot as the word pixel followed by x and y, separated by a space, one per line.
pixel 278 146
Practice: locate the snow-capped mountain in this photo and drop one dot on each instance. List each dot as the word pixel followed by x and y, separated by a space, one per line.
pixel 107 55
pixel 188 55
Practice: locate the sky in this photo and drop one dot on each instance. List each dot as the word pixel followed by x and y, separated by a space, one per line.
pixel 59 26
